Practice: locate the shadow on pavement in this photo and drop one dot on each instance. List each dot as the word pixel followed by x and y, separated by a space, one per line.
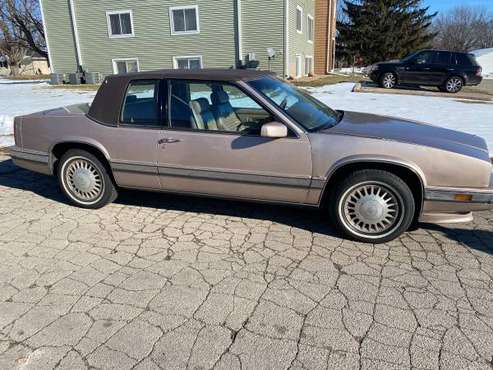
pixel 311 220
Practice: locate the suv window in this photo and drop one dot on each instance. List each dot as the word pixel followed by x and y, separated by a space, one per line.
pixel 215 106
pixel 426 57
pixel 463 60
pixel 443 57
pixel 141 106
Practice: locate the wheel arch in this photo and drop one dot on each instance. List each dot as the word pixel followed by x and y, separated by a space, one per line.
pixel 59 149
pixel 411 174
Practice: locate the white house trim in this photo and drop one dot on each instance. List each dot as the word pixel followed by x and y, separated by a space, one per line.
pixel 175 59
pixel 50 59
pixel 76 33
pixel 286 38
pixel 108 22
pixel 172 23
pixel 114 61
pixel 240 33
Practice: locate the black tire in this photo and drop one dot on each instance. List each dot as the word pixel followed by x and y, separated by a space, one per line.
pixel 388 80
pixel 453 84
pixel 79 170
pixel 381 195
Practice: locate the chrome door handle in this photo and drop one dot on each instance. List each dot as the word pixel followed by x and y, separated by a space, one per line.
pixel 167 140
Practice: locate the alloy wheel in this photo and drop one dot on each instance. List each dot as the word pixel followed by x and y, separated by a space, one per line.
pixel 83 180
pixel 389 81
pixel 371 209
pixel 454 85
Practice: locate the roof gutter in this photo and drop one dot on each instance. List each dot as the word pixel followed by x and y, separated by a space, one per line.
pixel 76 34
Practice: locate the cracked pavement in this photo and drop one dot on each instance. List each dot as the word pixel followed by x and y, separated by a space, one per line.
pixel 158 281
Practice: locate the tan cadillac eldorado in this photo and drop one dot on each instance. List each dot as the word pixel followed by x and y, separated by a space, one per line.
pixel 244 134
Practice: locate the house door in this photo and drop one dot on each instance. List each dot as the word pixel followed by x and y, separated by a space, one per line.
pixel 299 67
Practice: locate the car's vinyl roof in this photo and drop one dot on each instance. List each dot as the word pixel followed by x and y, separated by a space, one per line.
pixel 199 74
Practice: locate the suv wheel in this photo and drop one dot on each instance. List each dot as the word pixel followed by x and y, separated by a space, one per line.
pixel 372 206
pixel 84 180
pixel 388 80
pixel 453 85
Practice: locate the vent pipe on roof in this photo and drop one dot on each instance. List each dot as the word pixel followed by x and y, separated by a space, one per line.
pixel 239 32
pixel 76 35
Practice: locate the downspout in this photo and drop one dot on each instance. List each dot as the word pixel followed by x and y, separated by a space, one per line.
pixel 50 59
pixel 286 39
pixel 239 32
pixel 76 35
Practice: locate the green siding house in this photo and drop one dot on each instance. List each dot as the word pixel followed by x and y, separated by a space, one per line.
pixel 118 36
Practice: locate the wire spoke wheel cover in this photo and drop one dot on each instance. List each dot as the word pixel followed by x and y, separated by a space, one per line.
pixel 389 80
pixel 83 180
pixel 454 84
pixel 371 209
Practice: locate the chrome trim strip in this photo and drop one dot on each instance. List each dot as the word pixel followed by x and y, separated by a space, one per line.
pixel 217 175
pixel 448 196
pixel 28 155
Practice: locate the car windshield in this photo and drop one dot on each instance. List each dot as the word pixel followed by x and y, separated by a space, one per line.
pixel 299 105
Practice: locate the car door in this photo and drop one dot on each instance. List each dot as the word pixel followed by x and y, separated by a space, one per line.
pixel 214 147
pixel 133 144
pixel 419 70
pixel 441 67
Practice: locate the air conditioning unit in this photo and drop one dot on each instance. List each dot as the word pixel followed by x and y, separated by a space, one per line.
pixel 93 78
pixel 74 78
pixel 57 78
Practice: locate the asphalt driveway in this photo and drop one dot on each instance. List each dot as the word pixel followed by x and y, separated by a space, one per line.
pixel 158 281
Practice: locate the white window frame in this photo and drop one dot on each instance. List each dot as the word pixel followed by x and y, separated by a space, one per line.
pixel 114 61
pixel 311 58
pixel 172 21
pixel 299 8
pixel 299 58
pixel 310 35
pixel 108 21
pixel 175 60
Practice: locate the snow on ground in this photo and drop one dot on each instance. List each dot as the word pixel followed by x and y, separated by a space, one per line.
pixel 24 97
pixel 470 117
pixel 21 97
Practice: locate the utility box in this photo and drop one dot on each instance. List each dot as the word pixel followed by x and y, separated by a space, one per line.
pixel 93 78
pixel 56 78
pixel 74 78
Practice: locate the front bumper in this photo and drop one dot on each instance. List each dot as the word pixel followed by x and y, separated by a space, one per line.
pixel 454 205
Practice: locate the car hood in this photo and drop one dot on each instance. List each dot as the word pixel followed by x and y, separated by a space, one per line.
pixel 405 131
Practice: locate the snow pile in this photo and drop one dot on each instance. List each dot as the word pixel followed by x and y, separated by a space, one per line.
pixel 24 97
pixel 485 60
pixel 470 117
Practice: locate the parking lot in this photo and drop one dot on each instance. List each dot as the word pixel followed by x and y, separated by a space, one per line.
pixel 159 281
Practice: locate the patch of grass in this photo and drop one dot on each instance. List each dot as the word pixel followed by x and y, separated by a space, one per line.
pixel 328 80
pixel 85 87
pixel 27 77
pixel 477 90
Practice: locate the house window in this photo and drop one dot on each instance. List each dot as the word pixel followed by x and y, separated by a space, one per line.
pixel 120 23
pixel 188 62
pixel 310 28
pixel 308 65
pixel 299 19
pixel 298 66
pixel 184 20
pixel 128 65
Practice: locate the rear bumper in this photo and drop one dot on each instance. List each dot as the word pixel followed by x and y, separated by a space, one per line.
pixel 31 160
pixel 442 206
pixel 474 80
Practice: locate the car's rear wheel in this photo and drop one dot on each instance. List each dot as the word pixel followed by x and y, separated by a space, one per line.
pixel 84 180
pixel 372 206
pixel 453 85
pixel 388 80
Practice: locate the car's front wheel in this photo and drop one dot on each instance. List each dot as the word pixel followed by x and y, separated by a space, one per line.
pixel 84 180
pixel 372 206
pixel 388 80
pixel 453 85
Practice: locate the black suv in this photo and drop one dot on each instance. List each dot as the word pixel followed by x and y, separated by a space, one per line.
pixel 449 71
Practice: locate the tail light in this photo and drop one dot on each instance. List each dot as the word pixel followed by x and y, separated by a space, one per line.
pixel 17 132
pixel 479 72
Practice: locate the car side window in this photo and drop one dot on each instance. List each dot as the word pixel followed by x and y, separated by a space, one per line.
pixel 425 57
pixel 443 58
pixel 142 106
pixel 215 106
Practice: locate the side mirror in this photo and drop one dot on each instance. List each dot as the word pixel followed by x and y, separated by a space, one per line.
pixel 274 130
